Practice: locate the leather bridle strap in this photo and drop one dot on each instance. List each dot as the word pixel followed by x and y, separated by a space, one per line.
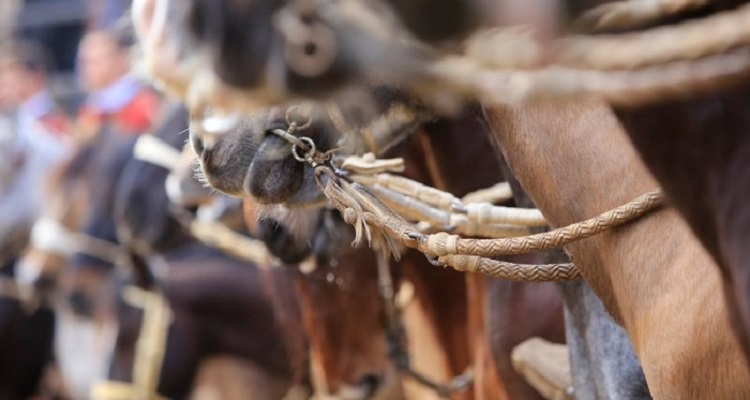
pixel 149 351
pixel 395 338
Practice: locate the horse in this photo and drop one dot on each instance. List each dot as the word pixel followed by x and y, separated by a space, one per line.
pixel 351 335
pixel 202 314
pixel 26 321
pixel 249 331
pixel 44 262
pixel 696 147
pixel 238 176
pixel 603 362
pixel 641 289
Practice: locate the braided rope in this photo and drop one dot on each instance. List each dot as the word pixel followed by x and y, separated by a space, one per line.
pixel 689 40
pixel 482 265
pixel 466 77
pixel 442 244
pixel 500 193
pixel 512 271
pixel 381 225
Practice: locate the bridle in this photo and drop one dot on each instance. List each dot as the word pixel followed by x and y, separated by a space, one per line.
pixel 304 150
pixel 373 219
pixel 395 338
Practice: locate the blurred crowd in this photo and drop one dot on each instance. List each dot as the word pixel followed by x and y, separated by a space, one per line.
pixel 40 127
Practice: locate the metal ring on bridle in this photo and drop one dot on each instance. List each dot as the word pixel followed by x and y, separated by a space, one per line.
pixel 298 126
pixel 309 154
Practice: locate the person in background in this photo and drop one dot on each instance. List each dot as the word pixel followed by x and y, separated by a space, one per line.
pixel 25 66
pixel 116 100
pixel 105 14
pixel 35 142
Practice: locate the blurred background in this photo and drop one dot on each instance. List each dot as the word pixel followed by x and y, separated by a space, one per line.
pixel 59 26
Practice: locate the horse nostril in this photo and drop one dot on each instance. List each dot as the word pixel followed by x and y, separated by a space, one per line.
pixel 370 383
pixel 81 304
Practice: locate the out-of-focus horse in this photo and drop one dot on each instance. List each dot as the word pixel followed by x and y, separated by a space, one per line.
pixel 220 304
pixel 26 322
pixel 249 161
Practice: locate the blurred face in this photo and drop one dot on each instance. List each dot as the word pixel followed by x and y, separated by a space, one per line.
pixel 17 84
pixel 102 62
pixel 7 89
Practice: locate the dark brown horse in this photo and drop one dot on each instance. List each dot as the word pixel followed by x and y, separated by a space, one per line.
pixel 207 290
pixel 259 165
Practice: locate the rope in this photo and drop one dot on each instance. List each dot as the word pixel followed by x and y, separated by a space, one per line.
pixel 384 226
pixel 624 69
pixel 512 271
pixel 465 77
pixel 632 13
pixel 689 40
pixel 395 337
pixel 443 244
pixel 500 193
pixel 51 236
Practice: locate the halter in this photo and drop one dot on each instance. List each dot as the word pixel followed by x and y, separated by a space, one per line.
pixel 391 304
pixel 51 236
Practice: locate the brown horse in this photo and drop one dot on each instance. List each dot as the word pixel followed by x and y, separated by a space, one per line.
pixel 345 318
pixel 43 265
pixel 499 311
pixel 207 290
pixel 697 147
pixel 238 176
pixel 643 289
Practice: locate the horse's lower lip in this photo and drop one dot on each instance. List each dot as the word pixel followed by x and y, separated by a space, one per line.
pixel 274 176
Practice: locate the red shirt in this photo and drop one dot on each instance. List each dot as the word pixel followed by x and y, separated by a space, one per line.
pixel 136 117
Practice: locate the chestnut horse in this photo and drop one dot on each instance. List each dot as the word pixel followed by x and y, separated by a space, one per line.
pixel 668 297
pixel 697 148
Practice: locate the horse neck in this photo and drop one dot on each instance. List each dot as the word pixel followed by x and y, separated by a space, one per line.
pixel 572 159
pixel 575 162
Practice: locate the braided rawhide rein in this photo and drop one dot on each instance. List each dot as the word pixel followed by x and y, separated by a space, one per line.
pixel 384 228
